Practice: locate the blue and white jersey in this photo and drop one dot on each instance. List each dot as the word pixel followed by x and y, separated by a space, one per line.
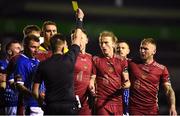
pixel 10 96
pixel 26 68
pixel 3 65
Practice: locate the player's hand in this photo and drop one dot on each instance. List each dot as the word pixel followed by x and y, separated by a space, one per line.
pixel 126 84
pixel 172 111
pixel 42 95
pixel 41 98
pixel 2 77
pixel 80 14
pixel 2 81
pixel 92 88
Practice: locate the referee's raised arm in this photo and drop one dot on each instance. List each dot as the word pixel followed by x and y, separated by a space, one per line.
pixel 79 26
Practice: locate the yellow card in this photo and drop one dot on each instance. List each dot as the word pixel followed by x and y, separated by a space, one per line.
pixel 75 5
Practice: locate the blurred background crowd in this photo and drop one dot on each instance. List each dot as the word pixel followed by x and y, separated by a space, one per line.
pixel 130 20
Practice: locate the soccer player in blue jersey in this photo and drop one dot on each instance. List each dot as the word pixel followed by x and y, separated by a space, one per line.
pixel 9 96
pixel 25 69
pixel 123 50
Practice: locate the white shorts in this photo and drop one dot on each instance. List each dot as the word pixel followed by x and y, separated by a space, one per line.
pixel 36 111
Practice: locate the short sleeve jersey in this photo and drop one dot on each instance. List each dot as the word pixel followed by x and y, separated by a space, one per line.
pixel 82 74
pixel 26 68
pixel 145 80
pixel 109 77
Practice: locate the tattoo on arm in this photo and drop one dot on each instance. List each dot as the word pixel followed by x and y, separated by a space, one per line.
pixel 170 94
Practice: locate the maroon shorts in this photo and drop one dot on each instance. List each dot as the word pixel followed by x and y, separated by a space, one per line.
pixel 143 112
pixel 109 109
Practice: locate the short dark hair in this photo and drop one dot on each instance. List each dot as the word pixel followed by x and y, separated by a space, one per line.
pixel 29 38
pixel 8 45
pixel 29 28
pixel 83 30
pixel 48 23
pixel 122 41
pixel 57 39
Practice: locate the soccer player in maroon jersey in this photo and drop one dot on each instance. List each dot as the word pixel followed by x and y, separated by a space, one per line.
pixel 111 75
pixel 146 75
pixel 82 74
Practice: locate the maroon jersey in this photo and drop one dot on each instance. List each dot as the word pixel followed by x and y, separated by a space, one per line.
pixel 82 73
pixel 108 78
pixel 145 80
pixel 43 55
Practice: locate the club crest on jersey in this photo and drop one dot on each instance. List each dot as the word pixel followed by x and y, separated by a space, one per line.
pixel 85 66
pixel 33 65
pixel 110 69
